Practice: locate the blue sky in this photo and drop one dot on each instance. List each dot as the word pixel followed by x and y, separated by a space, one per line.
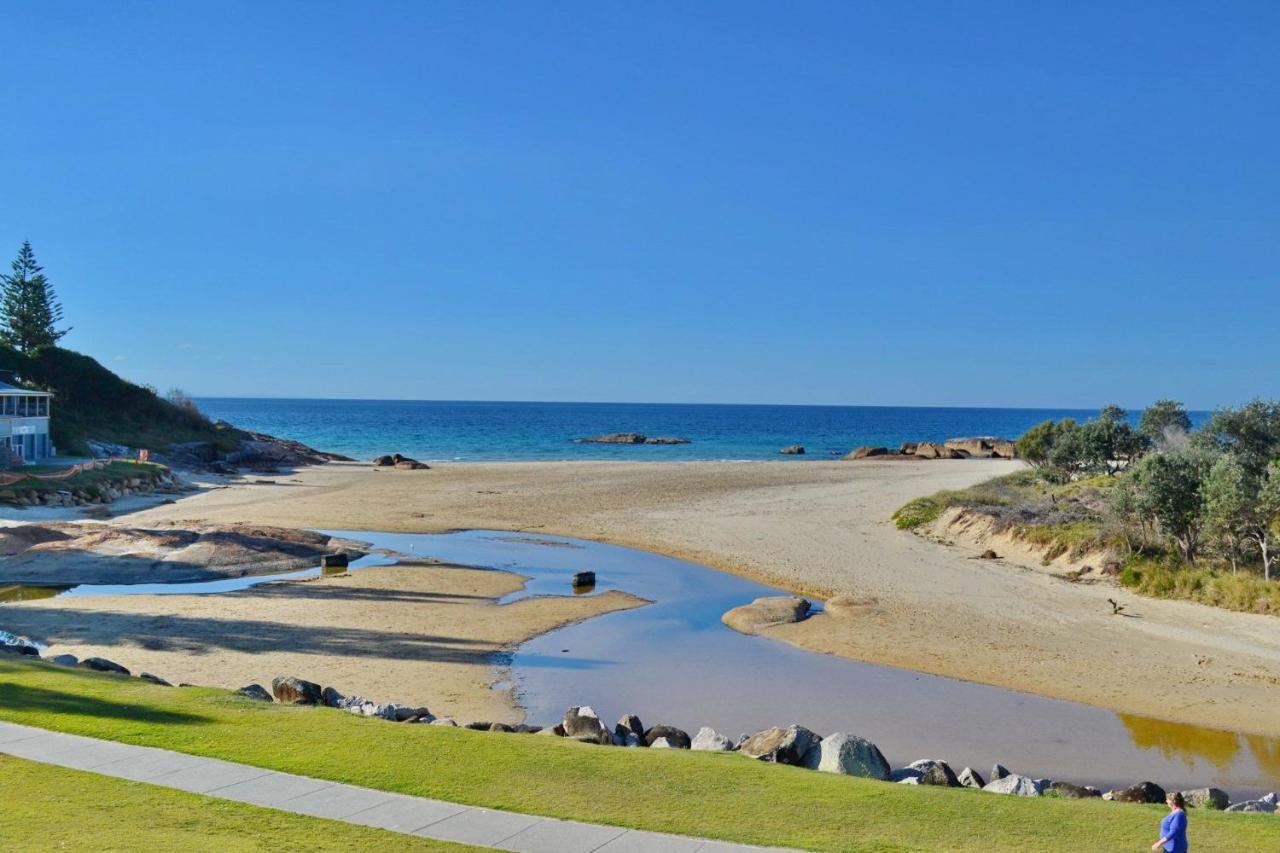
pixel 1022 204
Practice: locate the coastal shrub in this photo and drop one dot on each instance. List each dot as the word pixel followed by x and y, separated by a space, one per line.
pixel 1166 578
pixel 918 512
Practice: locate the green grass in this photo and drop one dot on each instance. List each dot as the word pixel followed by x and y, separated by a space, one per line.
pixel 113 472
pixel 1001 491
pixel 718 795
pixel 53 808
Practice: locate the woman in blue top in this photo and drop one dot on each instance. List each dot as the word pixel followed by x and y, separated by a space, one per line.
pixel 1173 829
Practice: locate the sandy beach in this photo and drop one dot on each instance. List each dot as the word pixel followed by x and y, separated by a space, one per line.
pixel 818 528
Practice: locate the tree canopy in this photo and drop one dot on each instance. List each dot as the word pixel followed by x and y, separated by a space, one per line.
pixel 29 308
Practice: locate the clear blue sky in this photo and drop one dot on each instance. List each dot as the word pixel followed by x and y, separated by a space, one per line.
pixel 989 203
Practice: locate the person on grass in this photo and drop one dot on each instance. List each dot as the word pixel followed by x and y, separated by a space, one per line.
pixel 1173 829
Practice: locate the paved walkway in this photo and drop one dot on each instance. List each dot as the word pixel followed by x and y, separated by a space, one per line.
pixel 303 795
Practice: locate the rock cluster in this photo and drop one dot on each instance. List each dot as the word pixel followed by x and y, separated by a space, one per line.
pixel 953 448
pixel 395 460
pixel 793 450
pixel 631 438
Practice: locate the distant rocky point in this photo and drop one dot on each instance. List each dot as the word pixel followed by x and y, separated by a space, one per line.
pixel 631 438
pixel 979 447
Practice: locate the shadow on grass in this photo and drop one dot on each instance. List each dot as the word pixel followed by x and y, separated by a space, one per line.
pixel 17 697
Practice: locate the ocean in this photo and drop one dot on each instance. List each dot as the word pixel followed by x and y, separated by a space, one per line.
pixel 441 430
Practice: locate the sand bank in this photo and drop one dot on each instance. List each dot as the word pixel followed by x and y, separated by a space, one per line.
pixel 823 527
pixel 418 633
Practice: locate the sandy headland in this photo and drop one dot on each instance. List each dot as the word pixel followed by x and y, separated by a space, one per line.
pixel 816 528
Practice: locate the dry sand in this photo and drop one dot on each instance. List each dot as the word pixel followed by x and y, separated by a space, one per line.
pixel 824 528
pixel 417 633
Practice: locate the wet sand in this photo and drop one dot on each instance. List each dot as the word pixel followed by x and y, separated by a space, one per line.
pixel 416 633
pixel 824 528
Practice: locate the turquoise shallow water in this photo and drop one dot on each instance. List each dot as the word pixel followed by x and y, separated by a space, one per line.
pixel 486 431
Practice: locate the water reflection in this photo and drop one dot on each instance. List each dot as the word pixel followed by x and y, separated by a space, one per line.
pixel 18 592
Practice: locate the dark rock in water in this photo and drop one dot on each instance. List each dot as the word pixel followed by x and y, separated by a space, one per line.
pixel 998 771
pixel 970 778
pixel 988 555
pixel 583 723
pixel 793 450
pixel 1207 798
pixel 584 579
pixel 256 692
pixel 935 772
pixel 103 665
pixel 631 438
pixel 678 738
pixel 25 649
pixel 1143 792
pixel 334 561
pixel 295 691
pixel 1069 791
pixel 766 612
pixel 868 452
pixel 154 679
pixel 849 755
pixel 629 731
pixel 779 745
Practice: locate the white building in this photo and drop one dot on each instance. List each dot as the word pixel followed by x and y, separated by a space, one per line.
pixel 24 425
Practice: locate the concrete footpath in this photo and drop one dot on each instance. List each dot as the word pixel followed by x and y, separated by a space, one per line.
pixel 364 806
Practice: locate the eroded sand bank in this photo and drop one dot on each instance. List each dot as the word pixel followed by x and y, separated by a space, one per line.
pixel 823 527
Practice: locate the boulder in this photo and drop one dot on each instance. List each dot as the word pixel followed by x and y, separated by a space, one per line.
pixel 983 446
pixel 64 660
pixel 295 691
pixel 767 612
pixel 403 713
pixel 988 555
pixel 664 743
pixel 905 776
pixel 1206 798
pixel 256 692
pixel 970 778
pixel 1143 792
pixel 24 649
pixel 154 679
pixel 334 561
pixel 867 452
pixel 583 579
pixel 1252 806
pixel 445 721
pixel 582 722
pixel 629 731
pixel 500 727
pixel 792 450
pixel 526 729
pixel 679 738
pixel 1068 791
pixel 331 698
pixel 1272 798
pixel 928 450
pixel 665 439
pixel 709 740
pixel 103 665
pixel 998 771
pixel 478 725
pixel 412 465
pixel 848 755
pixel 908 448
pixel 384 461
pixel 779 745
pixel 557 730
pixel 1015 784
pixel 935 772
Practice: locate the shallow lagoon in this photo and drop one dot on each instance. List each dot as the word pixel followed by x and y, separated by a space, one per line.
pixel 674 662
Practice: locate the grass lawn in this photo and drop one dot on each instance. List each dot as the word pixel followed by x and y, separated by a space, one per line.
pixel 53 808
pixel 718 795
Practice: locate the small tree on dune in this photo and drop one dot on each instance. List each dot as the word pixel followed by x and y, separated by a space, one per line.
pixel 29 308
